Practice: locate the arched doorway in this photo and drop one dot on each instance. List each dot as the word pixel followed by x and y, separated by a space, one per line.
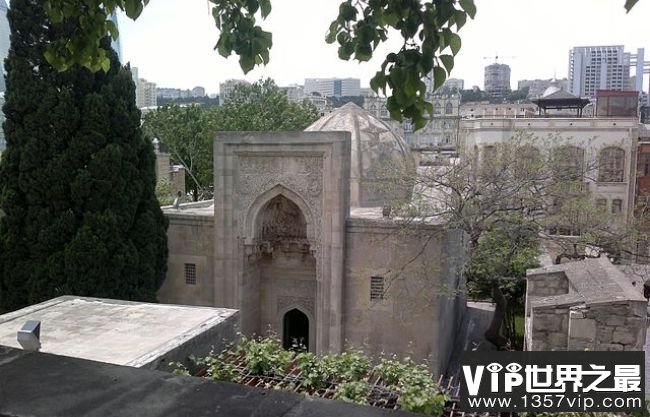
pixel 295 330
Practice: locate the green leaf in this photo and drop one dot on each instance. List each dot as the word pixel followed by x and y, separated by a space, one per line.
pixel 454 43
pixel 133 8
pixel 460 18
pixel 363 53
pixel 629 4
pixel 347 11
pixel 470 8
pixel 265 7
pixel 439 76
pixel 246 62
pixel 448 62
pixel 378 81
pixel 105 64
pixel 112 29
pixel 332 32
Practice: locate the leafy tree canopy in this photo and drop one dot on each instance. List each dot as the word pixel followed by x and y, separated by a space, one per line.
pixel 428 29
pixel 188 131
pixel 77 177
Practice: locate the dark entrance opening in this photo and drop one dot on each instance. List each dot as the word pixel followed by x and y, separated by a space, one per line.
pixel 296 330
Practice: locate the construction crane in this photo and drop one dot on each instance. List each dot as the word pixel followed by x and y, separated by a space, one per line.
pixel 497 56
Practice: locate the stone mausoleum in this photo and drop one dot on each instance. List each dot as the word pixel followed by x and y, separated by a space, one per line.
pixel 298 238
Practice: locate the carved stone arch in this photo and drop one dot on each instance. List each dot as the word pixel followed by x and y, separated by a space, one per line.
pixel 260 202
pixel 284 309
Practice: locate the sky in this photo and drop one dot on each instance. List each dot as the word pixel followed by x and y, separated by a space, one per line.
pixel 172 42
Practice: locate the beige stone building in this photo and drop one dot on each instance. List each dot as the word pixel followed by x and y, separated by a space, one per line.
pixel 586 305
pixel 605 146
pixel 297 239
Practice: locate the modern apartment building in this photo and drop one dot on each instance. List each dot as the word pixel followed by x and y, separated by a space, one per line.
pixel 146 94
pixel 337 87
pixel 497 81
pixel 593 68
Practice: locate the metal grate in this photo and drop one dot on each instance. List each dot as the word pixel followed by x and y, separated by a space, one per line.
pixel 379 394
pixel 190 274
pixel 376 288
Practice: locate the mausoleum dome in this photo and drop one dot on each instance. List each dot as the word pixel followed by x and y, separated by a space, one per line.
pixel 553 87
pixel 380 164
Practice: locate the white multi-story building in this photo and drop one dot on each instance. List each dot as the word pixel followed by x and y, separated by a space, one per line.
pixel 442 129
pixel 594 68
pixel 608 145
pixel 145 94
pixel 227 87
pixel 337 87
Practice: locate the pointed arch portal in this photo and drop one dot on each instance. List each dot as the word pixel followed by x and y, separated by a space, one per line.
pixel 295 330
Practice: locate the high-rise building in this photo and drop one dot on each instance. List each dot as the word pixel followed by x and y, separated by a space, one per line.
pixel 593 68
pixel 336 87
pixel 146 94
pixel 145 91
pixel 497 81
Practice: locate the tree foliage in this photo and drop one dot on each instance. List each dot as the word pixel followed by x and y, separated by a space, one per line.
pixel 512 196
pixel 77 177
pixel 428 29
pixel 188 131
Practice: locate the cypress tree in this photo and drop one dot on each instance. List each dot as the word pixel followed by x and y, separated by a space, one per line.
pixel 77 178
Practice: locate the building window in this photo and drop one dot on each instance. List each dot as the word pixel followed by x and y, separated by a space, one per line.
pixel 376 288
pixel 601 204
pixel 617 206
pixel 611 165
pixel 568 162
pixel 190 274
pixel 437 109
pixel 448 108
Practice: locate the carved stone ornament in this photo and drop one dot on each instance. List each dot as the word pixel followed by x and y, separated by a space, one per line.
pixel 306 303
pixel 302 175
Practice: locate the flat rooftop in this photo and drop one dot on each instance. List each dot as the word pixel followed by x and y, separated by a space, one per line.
pixel 114 331
pixel 199 208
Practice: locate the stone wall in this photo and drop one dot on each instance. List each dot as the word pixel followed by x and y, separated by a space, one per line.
pixel 616 326
pixel 418 316
pixel 550 329
pixel 190 240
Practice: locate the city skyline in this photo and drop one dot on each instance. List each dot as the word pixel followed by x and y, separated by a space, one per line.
pixel 172 42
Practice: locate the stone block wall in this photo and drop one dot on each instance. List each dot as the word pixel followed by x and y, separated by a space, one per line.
pixel 608 327
pixel 600 327
pixel 550 328
pixel 547 285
